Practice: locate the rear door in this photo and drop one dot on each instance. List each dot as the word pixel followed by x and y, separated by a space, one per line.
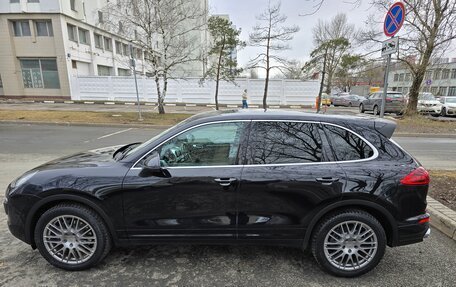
pixel 285 179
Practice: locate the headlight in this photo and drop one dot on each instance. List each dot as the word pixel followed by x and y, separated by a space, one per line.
pixel 21 180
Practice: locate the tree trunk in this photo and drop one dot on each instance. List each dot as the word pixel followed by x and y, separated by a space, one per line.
pixel 328 83
pixel 322 83
pixel 217 79
pixel 160 101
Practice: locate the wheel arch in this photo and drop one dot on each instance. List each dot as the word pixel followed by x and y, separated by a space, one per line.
pixel 44 204
pixel 380 213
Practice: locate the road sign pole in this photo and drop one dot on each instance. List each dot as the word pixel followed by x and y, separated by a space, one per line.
pixel 133 65
pixel 385 86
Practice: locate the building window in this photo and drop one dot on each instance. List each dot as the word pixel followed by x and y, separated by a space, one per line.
pixel 120 27
pixel 442 91
pixel 21 28
pixel 428 75
pixel 108 44
pixel 401 77
pixel 139 54
pixel 40 73
pixel 1 83
pixel 399 89
pixel 98 41
pixel 396 77
pixel 74 64
pixel 73 5
pixel 452 91
pixel 453 74
pixel 100 17
pixel 83 36
pixel 126 51
pixel 434 90
pixel 118 48
pixel 408 77
pixel 14 1
pixel 104 70
pixel 426 89
pixel 405 90
pixel 123 72
pixel 33 1
pixel 445 74
pixel 437 74
pixel 44 28
pixel 72 33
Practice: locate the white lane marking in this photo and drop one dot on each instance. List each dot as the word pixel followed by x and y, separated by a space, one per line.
pixel 116 133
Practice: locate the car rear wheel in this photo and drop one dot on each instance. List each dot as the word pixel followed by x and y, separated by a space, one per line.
pixel 349 243
pixel 376 112
pixel 361 108
pixel 72 237
pixel 349 105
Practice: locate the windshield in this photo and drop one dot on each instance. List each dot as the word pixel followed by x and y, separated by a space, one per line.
pixel 426 97
pixel 451 100
pixel 146 143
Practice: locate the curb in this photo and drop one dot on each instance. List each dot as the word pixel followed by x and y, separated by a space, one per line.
pixel 67 124
pixel 442 218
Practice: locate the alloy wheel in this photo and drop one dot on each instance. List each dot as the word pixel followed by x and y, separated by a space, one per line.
pixel 350 245
pixel 70 239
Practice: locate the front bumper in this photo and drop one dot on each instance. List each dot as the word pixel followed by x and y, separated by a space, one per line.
pixel 430 110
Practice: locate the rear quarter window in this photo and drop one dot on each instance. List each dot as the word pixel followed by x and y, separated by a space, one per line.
pixel 346 145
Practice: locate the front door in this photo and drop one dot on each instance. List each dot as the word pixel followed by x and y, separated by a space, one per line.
pixel 197 199
pixel 284 180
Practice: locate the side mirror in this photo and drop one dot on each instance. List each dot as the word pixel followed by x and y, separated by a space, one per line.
pixel 151 167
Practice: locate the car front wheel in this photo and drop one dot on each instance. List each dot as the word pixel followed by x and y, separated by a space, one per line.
pixel 349 243
pixel 361 108
pixel 443 112
pixel 72 237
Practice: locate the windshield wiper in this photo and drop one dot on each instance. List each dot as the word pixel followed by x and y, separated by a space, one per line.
pixel 119 153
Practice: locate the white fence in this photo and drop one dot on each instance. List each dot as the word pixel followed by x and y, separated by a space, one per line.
pixel 281 92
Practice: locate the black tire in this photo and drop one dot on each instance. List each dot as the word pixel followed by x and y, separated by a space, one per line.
pixel 361 108
pixel 333 221
pixel 376 111
pixel 349 105
pixel 100 241
pixel 443 112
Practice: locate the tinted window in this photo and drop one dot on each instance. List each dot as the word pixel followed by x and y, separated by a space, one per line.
pixel 346 145
pixel 284 142
pixel 209 145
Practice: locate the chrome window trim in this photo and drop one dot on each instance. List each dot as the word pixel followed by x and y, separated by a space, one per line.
pixel 374 156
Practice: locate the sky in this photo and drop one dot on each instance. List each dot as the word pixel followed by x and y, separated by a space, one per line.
pixel 242 13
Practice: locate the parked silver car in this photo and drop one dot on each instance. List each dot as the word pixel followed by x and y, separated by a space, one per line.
pixel 448 106
pixel 395 103
pixel 428 104
pixel 347 100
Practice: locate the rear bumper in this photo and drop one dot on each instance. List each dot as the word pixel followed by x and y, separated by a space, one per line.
pixel 413 231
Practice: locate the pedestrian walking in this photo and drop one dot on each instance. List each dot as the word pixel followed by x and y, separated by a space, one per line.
pixel 245 97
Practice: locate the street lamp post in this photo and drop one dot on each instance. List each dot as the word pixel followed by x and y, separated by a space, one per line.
pixel 133 65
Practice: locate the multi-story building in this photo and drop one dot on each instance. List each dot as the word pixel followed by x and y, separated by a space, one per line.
pixel 440 79
pixel 44 43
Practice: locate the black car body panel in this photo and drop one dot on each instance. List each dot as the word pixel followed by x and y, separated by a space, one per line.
pixel 263 203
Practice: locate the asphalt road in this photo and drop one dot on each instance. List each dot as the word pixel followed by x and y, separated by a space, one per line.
pixel 22 147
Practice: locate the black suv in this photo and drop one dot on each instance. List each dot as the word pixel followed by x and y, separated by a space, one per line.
pixel 336 185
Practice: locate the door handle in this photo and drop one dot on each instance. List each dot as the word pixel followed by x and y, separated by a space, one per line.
pixel 327 180
pixel 225 181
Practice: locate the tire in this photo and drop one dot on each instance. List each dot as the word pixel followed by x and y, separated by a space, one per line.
pixel 349 105
pixel 443 112
pixel 375 110
pixel 73 221
pixel 367 257
pixel 361 109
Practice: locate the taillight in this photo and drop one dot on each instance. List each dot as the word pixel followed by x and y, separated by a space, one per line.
pixel 418 176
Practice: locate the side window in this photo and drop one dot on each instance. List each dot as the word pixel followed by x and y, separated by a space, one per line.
pixel 346 145
pixel 209 145
pixel 284 142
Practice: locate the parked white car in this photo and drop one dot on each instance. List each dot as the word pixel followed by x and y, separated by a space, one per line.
pixel 448 106
pixel 428 104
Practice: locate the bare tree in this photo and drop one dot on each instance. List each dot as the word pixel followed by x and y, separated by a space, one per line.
pixel 338 27
pixel 225 42
pixel 293 70
pixel 272 36
pixel 429 29
pixel 165 30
